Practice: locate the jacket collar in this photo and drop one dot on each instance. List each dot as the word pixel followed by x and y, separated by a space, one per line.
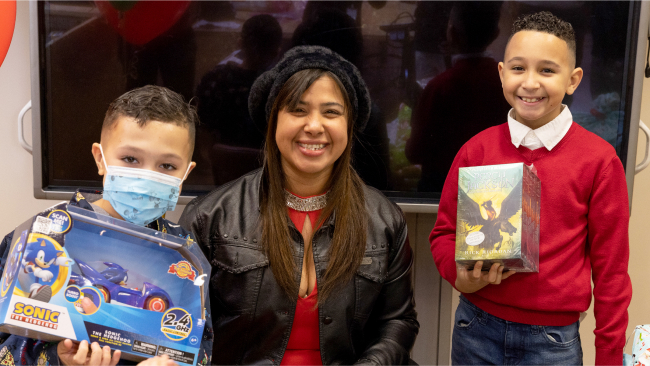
pixel 84 197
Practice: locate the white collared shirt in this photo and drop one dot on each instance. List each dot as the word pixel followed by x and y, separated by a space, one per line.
pixel 548 135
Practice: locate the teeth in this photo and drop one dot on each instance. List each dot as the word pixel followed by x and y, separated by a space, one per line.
pixel 529 100
pixel 313 147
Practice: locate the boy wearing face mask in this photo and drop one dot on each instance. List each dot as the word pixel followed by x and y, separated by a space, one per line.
pixel 144 156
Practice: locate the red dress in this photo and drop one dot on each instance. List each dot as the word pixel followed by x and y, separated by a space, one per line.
pixel 304 342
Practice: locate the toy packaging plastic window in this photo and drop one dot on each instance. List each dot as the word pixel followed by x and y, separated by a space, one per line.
pixel 145 287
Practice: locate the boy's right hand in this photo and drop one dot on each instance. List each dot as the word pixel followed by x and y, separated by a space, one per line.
pixel 471 281
pixel 77 354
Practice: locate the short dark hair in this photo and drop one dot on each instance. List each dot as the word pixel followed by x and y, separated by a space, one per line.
pixel 153 103
pixel 546 22
pixel 261 37
pixel 478 21
pixel 331 28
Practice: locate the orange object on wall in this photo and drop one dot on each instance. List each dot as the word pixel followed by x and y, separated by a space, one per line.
pixel 7 23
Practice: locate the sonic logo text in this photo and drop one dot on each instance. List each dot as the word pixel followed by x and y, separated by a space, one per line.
pixel 35 315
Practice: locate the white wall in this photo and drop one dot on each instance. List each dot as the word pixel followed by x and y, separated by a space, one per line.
pixel 17 202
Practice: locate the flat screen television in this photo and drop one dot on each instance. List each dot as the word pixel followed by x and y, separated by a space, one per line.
pixel 430 66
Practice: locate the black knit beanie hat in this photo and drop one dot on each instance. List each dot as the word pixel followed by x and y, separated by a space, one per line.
pixel 267 86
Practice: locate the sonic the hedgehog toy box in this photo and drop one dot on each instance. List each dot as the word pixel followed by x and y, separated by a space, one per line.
pixel 73 273
pixel 498 217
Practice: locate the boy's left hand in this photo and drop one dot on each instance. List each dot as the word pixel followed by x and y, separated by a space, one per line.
pixel 77 354
pixel 471 281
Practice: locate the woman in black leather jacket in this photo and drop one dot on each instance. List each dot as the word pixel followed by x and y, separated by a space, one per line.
pixel 322 279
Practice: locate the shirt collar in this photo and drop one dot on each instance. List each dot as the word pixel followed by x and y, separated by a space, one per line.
pixel 550 134
pixel 463 56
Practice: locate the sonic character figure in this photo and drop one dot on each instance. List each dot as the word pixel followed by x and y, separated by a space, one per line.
pixel 39 258
pixel 115 273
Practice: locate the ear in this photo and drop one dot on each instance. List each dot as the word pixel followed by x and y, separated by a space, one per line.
pixel 494 35
pixel 451 32
pixel 574 80
pixel 99 161
pixel 500 67
pixel 192 166
pixel 455 43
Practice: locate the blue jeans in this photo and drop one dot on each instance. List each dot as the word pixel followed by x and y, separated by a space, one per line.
pixel 483 339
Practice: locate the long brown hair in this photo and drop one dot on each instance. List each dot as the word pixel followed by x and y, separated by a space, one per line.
pixel 346 199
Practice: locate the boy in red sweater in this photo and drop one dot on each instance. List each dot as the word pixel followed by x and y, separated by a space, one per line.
pixel 532 318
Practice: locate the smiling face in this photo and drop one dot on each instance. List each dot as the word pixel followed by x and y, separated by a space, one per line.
pixel 157 146
pixel 40 260
pixel 314 134
pixel 538 70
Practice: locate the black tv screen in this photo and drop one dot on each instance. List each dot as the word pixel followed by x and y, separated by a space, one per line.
pixel 431 67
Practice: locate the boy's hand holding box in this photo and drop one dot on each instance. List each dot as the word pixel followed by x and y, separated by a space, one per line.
pixel 498 217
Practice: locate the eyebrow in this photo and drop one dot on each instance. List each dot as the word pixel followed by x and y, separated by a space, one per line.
pixel 331 104
pixel 131 148
pixel 139 150
pixel 171 156
pixel 328 104
pixel 547 62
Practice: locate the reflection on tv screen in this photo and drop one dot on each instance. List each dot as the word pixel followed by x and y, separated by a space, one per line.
pixel 431 67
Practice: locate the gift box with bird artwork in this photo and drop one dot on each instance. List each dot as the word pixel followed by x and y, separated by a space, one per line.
pixel 498 217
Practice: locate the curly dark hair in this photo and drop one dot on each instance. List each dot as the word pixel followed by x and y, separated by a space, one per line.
pixel 546 22
pixel 153 103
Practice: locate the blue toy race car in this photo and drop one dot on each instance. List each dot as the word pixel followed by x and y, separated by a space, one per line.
pixel 111 283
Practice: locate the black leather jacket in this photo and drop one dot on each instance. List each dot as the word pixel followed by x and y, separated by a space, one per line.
pixel 370 320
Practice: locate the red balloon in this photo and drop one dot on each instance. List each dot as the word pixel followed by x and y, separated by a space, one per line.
pixel 7 23
pixel 145 21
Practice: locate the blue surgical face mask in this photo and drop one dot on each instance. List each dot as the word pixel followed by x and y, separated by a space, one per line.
pixel 140 196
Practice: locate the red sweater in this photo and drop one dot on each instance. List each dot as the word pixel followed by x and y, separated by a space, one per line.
pixel 583 236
